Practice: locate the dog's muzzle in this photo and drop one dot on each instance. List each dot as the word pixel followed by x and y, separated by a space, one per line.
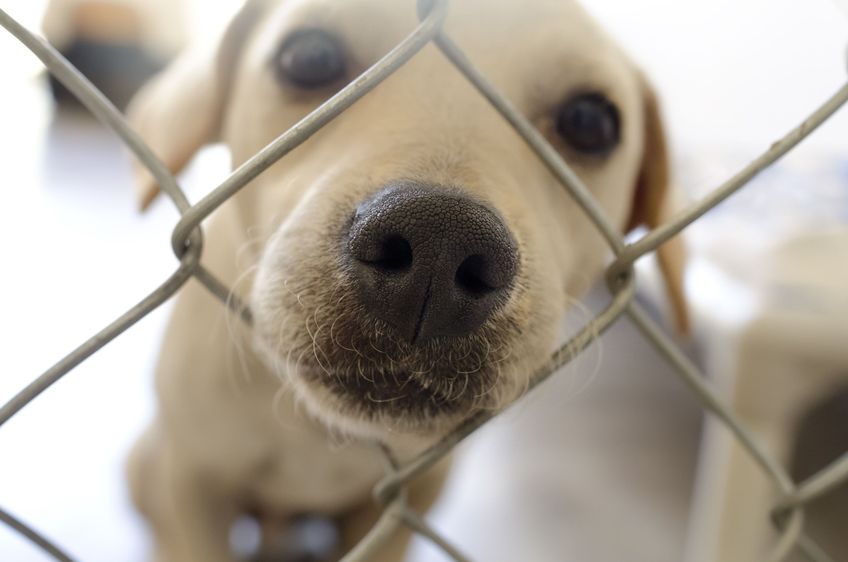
pixel 430 261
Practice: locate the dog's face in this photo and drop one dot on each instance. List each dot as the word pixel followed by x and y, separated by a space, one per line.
pixel 418 257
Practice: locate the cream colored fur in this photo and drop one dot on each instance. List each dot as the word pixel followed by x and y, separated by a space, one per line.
pixel 238 425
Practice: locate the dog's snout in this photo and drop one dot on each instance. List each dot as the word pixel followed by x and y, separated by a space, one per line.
pixel 430 261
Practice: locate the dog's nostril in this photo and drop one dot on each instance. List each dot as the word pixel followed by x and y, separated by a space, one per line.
pixel 473 276
pixel 395 254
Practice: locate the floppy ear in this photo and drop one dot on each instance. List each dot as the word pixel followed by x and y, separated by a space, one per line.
pixel 654 202
pixel 181 109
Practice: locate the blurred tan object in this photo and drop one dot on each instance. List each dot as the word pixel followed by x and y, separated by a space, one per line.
pixel 117 44
pixel 770 299
pixel 158 25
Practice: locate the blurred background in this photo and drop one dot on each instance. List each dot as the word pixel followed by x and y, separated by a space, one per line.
pixel 733 76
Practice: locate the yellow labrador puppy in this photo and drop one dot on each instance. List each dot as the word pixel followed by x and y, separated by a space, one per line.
pixel 407 266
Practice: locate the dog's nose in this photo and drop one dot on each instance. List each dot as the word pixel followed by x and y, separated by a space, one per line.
pixel 430 261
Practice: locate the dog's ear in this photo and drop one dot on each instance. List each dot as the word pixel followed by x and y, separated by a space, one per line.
pixel 181 109
pixel 654 202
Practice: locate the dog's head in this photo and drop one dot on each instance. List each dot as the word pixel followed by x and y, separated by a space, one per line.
pixel 418 257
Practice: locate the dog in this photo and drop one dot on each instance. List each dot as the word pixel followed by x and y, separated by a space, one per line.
pixel 406 267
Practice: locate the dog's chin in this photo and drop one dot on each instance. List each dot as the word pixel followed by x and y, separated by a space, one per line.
pixel 374 405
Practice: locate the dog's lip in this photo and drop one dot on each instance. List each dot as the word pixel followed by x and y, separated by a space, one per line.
pixel 378 386
pixel 403 390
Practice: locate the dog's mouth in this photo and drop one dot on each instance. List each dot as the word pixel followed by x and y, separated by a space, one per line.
pixel 405 394
pixel 357 372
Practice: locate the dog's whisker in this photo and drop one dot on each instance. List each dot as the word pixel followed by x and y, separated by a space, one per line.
pixel 465 385
pixel 468 352
pixel 316 348
pixel 296 294
pixel 282 367
pixel 235 331
pixel 366 377
pixel 374 347
pixel 597 342
pixel 409 377
pixel 333 327
pixel 502 353
pixel 299 359
pixel 279 407
pixel 371 398
pixel 494 381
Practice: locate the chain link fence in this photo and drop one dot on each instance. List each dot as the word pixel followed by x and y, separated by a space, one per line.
pixel 187 243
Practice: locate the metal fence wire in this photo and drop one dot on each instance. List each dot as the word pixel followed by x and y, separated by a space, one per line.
pixel 187 243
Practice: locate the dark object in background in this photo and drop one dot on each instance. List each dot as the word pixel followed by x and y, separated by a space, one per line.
pixel 111 42
pixel 117 69
pixel 821 439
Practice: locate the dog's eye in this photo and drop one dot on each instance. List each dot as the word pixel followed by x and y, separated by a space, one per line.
pixel 310 58
pixel 590 124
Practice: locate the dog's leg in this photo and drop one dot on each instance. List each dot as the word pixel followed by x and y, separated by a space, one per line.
pixel 189 515
pixel 422 493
